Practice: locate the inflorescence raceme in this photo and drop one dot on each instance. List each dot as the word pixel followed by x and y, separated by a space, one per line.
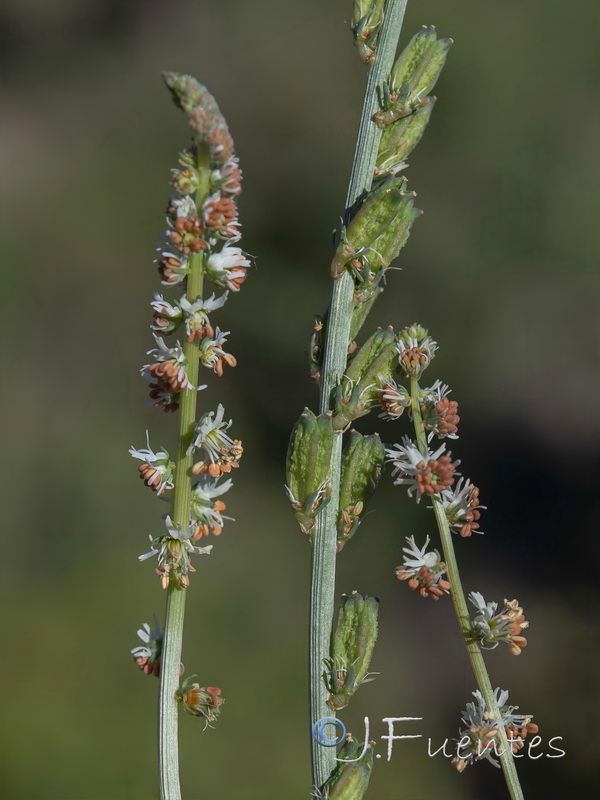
pixel 201 244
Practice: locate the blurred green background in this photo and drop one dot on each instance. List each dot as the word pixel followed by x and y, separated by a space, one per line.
pixel 503 270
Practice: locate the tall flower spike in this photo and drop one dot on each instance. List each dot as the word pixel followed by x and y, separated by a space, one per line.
pixel 423 570
pixel 202 226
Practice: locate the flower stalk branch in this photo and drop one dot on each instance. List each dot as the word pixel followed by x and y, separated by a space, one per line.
pixel 460 606
pixel 322 590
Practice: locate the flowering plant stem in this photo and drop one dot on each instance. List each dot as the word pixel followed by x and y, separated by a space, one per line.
pixel 168 745
pixel 322 592
pixel 460 606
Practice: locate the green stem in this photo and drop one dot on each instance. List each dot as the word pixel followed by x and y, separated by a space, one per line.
pixel 168 746
pixel 462 612
pixel 322 590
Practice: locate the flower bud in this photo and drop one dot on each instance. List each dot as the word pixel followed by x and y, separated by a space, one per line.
pixel 308 467
pixel 350 781
pixel 415 349
pixel 414 75
pixel 371 219
pixel 353 644
pixel 400 138
pixel 362 462
pixel 368 371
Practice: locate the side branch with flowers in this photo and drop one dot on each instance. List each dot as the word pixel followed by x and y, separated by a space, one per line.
pixel 201 243
pixel 493 730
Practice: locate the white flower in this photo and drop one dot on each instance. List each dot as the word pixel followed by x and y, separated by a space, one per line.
pixel 196 314
pixel 482 729
pixel 228 267
pixel 423 471
pixel 166 316
pixel 417 557
pixel 423 570
pixel 210 434
pixel 461 505
pixel 173 550
pixel 211 352
pixel 182 206
pixel 150 637
pixel 204 510
pixel 158 471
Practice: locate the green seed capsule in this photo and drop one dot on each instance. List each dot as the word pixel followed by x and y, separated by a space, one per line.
pixel 414 75
pixel 362 463
pixel 375 214
pixel 354 640
pixel 369 370
pixel 400 138
pixel 350 781
pixel 308 466
pixel 387 246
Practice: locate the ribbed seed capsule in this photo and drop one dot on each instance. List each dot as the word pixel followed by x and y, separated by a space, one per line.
pixel 362 462
pixel 350 781
pixel 387 246
pixel 414 75
pixel 400 138
pixel 377 211
pixel 368 371
pixel 308 460
pixel 354 640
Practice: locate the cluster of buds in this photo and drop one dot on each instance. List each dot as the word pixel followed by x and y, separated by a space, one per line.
pixel 461 505
pixel 354 767
pixel 480 736
pixel 440 415
pixel 489 629
pixel 362 464
pixel 423 570
pixel 416 349
pixel 423 471
pixel 353 643
pixel 413 76
pixel 200 701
